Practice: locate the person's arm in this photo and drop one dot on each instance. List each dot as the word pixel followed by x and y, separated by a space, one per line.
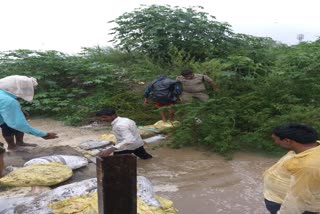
pixel 107 152
pixel 213 85
pixel 147 93
pixel 125 133
pixel 14 118
pixel 145 100
pixel 25 113
pixel 178 90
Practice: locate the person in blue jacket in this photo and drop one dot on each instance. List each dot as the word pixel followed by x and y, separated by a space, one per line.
pixel 11 89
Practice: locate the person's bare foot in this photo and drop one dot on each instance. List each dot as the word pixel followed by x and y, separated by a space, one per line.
pixel 26 144
pixel 12 147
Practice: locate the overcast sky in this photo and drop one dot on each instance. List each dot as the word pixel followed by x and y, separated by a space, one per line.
pixel 68 25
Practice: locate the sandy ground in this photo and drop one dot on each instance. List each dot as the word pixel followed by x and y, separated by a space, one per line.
pixel 197 181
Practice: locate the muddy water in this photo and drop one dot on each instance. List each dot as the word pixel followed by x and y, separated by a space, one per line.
pixel 198 182
pixel 202 182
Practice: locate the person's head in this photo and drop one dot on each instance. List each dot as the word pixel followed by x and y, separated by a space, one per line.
pixel 106 114
pixel 289 134
pixel 187 74
pixel 20 86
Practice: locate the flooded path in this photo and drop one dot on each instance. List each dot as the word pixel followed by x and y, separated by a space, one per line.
pixel 202 183
pixel 197 181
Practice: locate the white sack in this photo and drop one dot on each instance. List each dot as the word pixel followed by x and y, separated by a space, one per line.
pixel 154 138
pixel 145 192
pixel 94 144
pixel 73 161
pixel 39 204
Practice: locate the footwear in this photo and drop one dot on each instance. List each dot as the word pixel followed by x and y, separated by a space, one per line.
pixel 27 144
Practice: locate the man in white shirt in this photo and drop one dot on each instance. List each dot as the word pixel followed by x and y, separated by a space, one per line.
pixel 127 134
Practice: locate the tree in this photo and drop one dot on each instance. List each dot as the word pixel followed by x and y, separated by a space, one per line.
pixel 155 30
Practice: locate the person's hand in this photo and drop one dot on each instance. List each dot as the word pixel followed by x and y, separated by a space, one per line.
pixel 26 114
pixel 107 152
pixel 50 135
pixel 146 100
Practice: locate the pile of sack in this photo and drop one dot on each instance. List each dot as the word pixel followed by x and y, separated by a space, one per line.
pixel 28 188
pixel 81 198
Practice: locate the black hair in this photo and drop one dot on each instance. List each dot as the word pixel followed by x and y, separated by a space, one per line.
pixel 106 112
pixel 300 133
pixel 186 72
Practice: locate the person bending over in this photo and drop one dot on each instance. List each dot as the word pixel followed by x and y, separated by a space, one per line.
pixel 127 134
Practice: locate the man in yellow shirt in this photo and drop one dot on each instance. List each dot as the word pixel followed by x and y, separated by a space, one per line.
pixel 292 185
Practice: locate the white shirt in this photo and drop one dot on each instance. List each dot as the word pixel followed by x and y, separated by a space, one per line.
pixel 127 134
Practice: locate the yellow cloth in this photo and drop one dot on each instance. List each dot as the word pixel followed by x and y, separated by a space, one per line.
pixel 88 204
pixel 37 175
pixel 276 180
pixel 303 193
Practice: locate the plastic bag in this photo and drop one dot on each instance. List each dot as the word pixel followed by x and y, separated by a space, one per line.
pixel 73 161
pixel 154 138
pixel 39 204
pixel 88 204
pixel 37 175
pixel 147 202
pixel 94 144
pixel 146 132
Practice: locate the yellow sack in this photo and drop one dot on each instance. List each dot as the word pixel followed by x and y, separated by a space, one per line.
pixel 146 132
pixel 108 137
pixel 15 192
pixel 166 207
pixel 88 204
pixel 37 175
pixel 162 126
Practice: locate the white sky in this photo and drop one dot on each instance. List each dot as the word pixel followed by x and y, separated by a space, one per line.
pixel 68 25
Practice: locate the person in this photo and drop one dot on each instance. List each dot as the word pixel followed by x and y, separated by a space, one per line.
pixel 14 137
pixel 193 86
pixel 127 135
pixel 165 92
pixel 2 151
pixel 13 88
pixel 291 186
